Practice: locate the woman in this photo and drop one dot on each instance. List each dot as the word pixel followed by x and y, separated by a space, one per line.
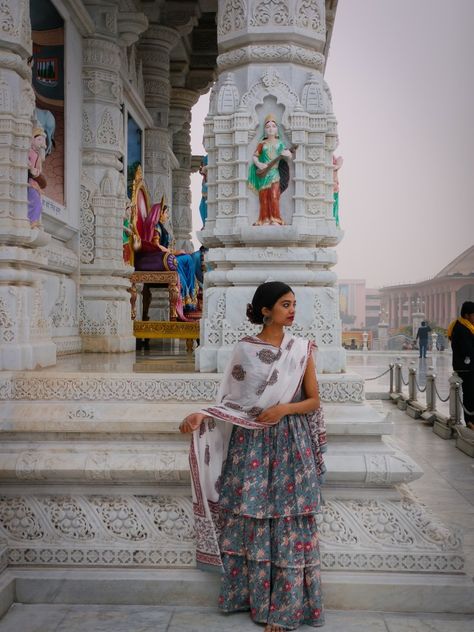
pixel 256 464
pixel 264 173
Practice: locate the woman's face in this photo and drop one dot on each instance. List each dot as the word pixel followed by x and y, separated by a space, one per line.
pixel 164 217
pixel 283 312
pixel 271 129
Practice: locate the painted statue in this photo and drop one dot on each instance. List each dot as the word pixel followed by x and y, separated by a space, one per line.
pixel 46 120
pixel 336 165
pixel 36 181
pixel 156 234
pixel 269 173
pixel 203 203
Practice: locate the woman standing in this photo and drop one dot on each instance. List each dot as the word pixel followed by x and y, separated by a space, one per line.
pixel 256 465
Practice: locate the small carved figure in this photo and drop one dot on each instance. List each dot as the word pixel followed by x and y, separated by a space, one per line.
pixel 36 181
pixel 269 173
pixel 336 165
pixel 203 203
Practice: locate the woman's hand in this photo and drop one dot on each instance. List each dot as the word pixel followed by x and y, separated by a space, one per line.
pixel 272 415
pixel 191 422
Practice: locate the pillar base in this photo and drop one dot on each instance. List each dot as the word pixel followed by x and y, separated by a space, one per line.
pixel 33 355
pixel 108 344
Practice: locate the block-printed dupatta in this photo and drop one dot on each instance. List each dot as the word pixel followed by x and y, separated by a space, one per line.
pixel 257 377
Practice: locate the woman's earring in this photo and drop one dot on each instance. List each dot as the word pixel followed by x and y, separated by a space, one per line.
pixel 267 320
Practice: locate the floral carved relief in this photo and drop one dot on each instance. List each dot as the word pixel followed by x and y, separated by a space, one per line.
pixel 275 12
pixel 232 17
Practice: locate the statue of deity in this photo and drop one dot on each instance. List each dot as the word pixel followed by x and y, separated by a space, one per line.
pixel 203 203
pixel 36 181
pixel 336 165
pixel 269 173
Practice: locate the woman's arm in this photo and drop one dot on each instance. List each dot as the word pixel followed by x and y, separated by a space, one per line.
pixel 191 422
pixel 310 403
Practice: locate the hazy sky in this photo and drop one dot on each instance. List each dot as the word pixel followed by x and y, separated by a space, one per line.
pixel 402 80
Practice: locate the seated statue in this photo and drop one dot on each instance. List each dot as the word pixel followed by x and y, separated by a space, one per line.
pixel 152 252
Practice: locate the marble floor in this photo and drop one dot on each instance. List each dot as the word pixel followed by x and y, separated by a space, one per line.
pixel 59 618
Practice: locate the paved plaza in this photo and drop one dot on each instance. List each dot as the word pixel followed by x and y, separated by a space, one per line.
pixel 46 618
pixel 447 488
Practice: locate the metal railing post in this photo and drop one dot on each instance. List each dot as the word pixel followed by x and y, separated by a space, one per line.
pixel 412 382
pixel 454 404
pixel 431 390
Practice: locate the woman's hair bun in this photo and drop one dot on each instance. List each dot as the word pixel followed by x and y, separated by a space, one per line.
pixel 249 312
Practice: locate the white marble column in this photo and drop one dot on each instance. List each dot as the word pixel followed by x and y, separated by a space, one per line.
pixel 25 329
pixel 104 312
pixel 182 100
pixel 271 60
pixel 154 49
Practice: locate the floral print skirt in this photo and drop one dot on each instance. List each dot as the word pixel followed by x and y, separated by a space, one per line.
pixel 269 499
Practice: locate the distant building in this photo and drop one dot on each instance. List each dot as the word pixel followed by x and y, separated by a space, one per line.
pixel 359 306
pixel 438 298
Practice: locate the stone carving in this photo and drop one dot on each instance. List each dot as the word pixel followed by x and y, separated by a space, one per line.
pixel 81 413
pixel 118 517
pixel 171 516
pixel 232 17
pixel 87 136
pixel 101 53
pixel 271 53
pixel 62 315
pixel 87 235
pixel 309 15
pixel 158 531
pixel 213 325
pixel 6 100
pixel 138 388
pixel 7 325
pixel 312 96
pixel 271 83
pixel 92 327
pixel 106 134
pixel 67 517
pixel 7 24
pixel 228 98
pixel 271 12
pixel 18 520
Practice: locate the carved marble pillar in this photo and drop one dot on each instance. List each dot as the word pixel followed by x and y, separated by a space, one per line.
pixel 25 330
pixel 271 61
pixel 182 100
pixel 105 323
pixel 154 49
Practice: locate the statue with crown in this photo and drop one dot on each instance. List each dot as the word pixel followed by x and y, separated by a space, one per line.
pixel 150 246
pixel 269 172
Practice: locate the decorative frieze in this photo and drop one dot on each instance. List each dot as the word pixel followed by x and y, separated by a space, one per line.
pixel 271 53
pixel 117 530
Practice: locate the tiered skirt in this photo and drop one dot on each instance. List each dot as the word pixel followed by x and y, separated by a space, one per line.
pixel 269 499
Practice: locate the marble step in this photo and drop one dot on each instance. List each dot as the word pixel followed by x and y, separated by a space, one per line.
pixel 47 420
pixel 52 385
pixel 387 592
pixel 366 464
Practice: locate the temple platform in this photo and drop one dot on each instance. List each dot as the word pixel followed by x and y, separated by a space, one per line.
pixel 96 506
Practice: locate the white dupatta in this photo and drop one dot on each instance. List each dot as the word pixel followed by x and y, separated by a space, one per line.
pixel 257 377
